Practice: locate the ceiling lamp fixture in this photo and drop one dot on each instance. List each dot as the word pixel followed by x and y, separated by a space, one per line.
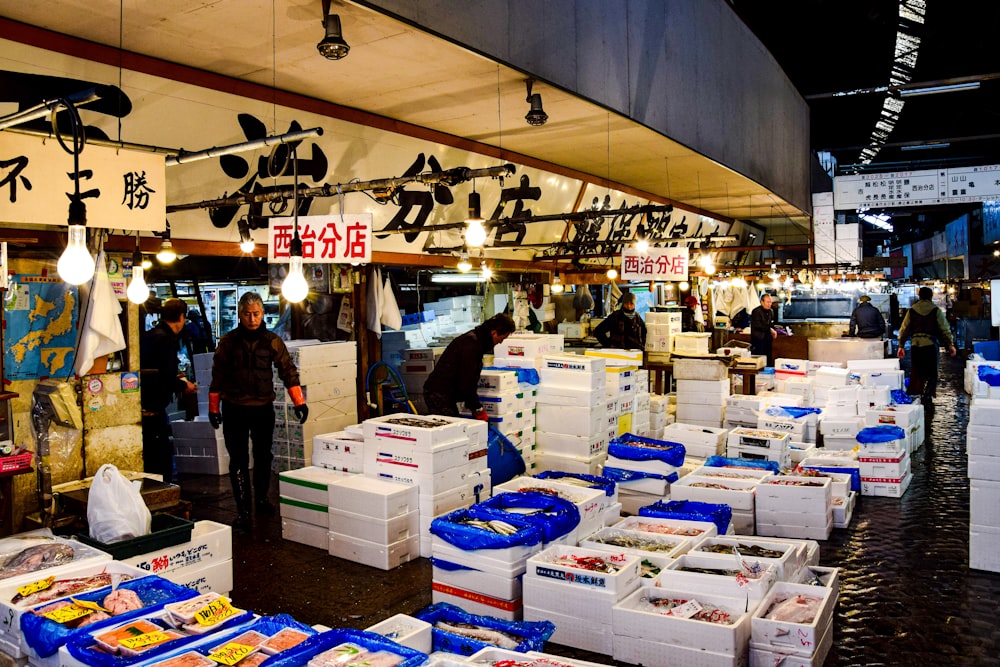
pixel 475 233
pixel 641 244
pixel 739 281
pixel 166 253
pixel 486 271
pixel 247 244
pixel 76 264
pixel 557 286
pixel 332 46
pixel 612 273
pixel 138 290
pixel 464 265
pixel 536 116
pixel 295 288
pixel 684 286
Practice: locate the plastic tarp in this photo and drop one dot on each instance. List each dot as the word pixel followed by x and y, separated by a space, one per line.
pixel 554 515
pixel 324 641
pixel 504 460
pixel 881 433
pixel 989 375
pixel 265 625
pixel 533 634
pixel 604 483
pixel 638 448
pixel 45 636
pixel 42 548
pixel 900 397
pixel 790 411
pixel 755 464
pixel 453 529
pixel 622 475
pixel 524 375
pixel 691 510
pixel 448 566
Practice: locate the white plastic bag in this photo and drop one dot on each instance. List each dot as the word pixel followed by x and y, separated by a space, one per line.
pixel 115 509
pixel 391 316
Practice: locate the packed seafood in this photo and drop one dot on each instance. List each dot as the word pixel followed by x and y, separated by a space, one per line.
pixel 115 603
pixel 795 609
pixel 60 588
pixel 486 635
pixel 664 529
pixel 648 569
pixel 36 557
pixel 493 525
pixel 745 550
pixel 637 542
pixel 717 485
pixel 351 655
pixel 189 659
pixel 282 640
pixel 87 617
pixel 122 601
pixel 418 422
pixel 591 563
pixel 689 609
pixel 793 482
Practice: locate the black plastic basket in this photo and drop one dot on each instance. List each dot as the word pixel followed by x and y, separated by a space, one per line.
pixel 167 531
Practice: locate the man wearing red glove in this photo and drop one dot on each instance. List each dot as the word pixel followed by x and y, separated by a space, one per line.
pixel 455 378
pixel 242 390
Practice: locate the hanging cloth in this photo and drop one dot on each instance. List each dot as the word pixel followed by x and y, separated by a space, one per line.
pixel 753 297
pixel 391 317
pixel 102 332
pixel 375 288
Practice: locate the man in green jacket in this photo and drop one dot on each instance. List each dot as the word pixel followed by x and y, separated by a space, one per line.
pixel 925 326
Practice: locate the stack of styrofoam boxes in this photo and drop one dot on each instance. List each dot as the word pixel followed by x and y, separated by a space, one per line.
pixel 702 389
pixel 658 417
pixel 983 449
pixel 801 642
pixel 800 428
pixel 641 421
pixel 656 551
pixel 304 502
pixel 205 563
pixel 876 372
pixel 578 600
pixel 885 466
pixel 711 573
pixel 826 378
pixel 414 369
pixel 328 373
pixel 743 410
pixel 203 376
pixel 625 382
pixel 507 410
pixel 523 350
pixel 591 503
pixel 340 450
pixel 527 439
pixel 973 384
pixel 373 521
pixel 690 342
pixel 841 422
pixel 655 474
pixel 759 445
pixel 571 414
pixel 793 506
pixel 744 521
pixel 792 377
pixel 466 311
pixel 442 456
pixel 660 331
pixel 909 417
pixel 700 442
pixel 737 493
pixel 199 448
pixel 843 461
pixel 501 394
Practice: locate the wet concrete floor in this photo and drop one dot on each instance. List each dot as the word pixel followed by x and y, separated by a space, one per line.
pixel 906 592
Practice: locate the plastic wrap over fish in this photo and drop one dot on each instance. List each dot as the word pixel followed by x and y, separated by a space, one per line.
pixel 604 483
pixel 471 528
pixel 637 448
pixel 555 516
pixel 881 433
pixel 532 634
pixel 690 510
pixel 39 550
pixel 365 648
pixel 623 475
pixel 755 464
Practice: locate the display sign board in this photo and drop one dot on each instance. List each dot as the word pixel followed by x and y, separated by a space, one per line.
pixel 122 189
pixel 875 263
pixel 660 264
pixel 326 239
pixel 912 188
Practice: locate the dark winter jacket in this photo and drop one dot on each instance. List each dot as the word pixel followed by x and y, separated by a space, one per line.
pixel 158 349
pixel 456 373
pixel 242 369
pixel 866 321
pixel 620 331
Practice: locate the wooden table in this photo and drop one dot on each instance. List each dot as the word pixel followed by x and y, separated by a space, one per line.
pixel 661 374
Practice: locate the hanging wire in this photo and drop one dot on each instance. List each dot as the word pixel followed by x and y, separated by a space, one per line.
pixel 121 46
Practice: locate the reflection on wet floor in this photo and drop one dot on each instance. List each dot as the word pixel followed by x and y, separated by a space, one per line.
pixel 906 593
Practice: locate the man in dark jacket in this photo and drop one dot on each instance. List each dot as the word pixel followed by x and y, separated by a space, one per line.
pixel 866 320
pixel 158 350
pixel 925 326
pixel 762 333
pixel 242 390
pixel 623 329
pixel 455 378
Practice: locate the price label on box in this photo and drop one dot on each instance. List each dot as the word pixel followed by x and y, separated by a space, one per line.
pixel 215 612
pixel 147 639
pixel 231 653
pixel 35 586
pixel 67 614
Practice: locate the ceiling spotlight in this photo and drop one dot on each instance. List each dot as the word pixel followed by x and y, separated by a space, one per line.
pixel 557 286
pixel 486 271
pixel 536 116
pixel 475 233
pixel 684 286
pixel 612 273
pixel 464 265
pixel 332 46
pixel 641 244
pixel 166 253
pixel 246 241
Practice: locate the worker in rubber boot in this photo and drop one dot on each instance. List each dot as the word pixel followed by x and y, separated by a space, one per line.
pixel 242 391
pixel 926 327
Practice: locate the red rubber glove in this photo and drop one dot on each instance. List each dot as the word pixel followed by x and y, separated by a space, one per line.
pixel 214 414
pixel 481 415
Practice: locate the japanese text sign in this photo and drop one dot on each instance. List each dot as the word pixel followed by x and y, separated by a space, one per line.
pixel 660 264
pixel 122 189
pixel 326 239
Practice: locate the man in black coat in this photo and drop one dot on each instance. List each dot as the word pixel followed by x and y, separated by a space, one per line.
pixel 762 333
pixel 623 329
pixel 866 320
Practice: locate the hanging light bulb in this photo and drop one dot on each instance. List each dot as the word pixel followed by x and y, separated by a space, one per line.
pixel 557 286
pixel 739 281
pixel 146 263
pixel 641 243
pixel 247 244
pixel 76 264
pixel 684 286
pixel 475 233
pixel 612 273
pixel 295 288
pixel 464 265
pixel 138 290
pixel 166 253
pixel 710 269
pixel 486 271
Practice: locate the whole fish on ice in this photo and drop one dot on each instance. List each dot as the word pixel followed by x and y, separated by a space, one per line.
pixel 37 557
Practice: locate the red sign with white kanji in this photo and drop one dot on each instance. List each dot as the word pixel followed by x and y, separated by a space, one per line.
pixel 660 264
pixel 326 239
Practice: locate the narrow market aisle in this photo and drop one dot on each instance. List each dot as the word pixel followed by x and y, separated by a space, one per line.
pixel 906 593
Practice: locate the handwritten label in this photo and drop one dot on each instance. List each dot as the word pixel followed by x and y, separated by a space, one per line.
pixel 214 612
pixel 34 587
pixel 87 604
pixel 147 639
pixel 686 610
pixel 231 653
pixel 67 614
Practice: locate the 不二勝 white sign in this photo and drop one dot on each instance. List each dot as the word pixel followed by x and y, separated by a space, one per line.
pixel 326 239
pixel 660 264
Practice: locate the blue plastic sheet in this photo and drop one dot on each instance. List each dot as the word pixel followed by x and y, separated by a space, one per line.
pixel 726 462
pixel 534 633
pixel 504 460
pixel 265 625
pixel 900 397
pixel 638 448
pixel 881 433
pixel 990 375
pixel 855 474
pixel 45 636
pixel 555 516
pixel 622 475
pixel 790 411
pixel 604 483
pixel 300 655
pixel 451 529
pixel 528 375
pixel 690 510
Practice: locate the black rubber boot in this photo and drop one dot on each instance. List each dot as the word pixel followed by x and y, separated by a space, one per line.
pixel 261 485
pixel 240 480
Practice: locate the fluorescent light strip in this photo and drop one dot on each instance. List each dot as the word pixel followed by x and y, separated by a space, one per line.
pixel 458 278
pixel 925 147
pixel 934 90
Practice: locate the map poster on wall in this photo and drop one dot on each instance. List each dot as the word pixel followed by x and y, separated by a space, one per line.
pixel 40 331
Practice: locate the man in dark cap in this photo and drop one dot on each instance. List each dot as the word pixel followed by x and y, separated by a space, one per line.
pixel 866 320
pixel 623 328
pixel 689 316
pixel 926 327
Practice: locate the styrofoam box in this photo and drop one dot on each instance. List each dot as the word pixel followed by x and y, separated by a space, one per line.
pixel 668 546
pixel 476 603
pixel 616 356
pixel 585 465
pixel 758 438
pixel 984 502
pixel 984 467
pixel 312 352
pixel 752 589
pixel 376 498
pixel 788 565
pixel 524 346
pixel 738 494
pixel 306 533
pixel 651 653
pixel 210 542
pixel 576 363
pixel 310 484
pixel 545 566
pixel 884 465
pixel 495 382
pixel 835 426
pixel 584 420
pixel 559 377
pixel 373 554
pixel 571 445
pixel 743 522
pixel 338 451
pixel 984 547
pixel 983 440
pixel 299 510
pixel 508 561
pixel 802 638
pixel 432 483
pixel 664 526
pixel 900 415
pixel 717 389
pixel 572 630
pixel 650 489
pixel 800 451
pixel 701 414
pixel 441 503
pixel 489 584
pixel 761 655
pixel 689 434
pixel 216 576
pixel 381 531
pixel 790 491
pixel 420 431
pixel 630 620
pixel 780 456
pixel 591 503
pixel 843 509
pixel 885 487
pixel 425 460
pixel 727 472
pixel 406 630
pixel 791 366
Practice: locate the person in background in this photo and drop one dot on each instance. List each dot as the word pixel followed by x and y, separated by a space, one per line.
pixel 455 378
pixel 866 320
pixel 623 329
pixel 925 326
pixel 689 316
pixel 242 391
pixel 158 350
pixel 199 340
pixel 762 333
